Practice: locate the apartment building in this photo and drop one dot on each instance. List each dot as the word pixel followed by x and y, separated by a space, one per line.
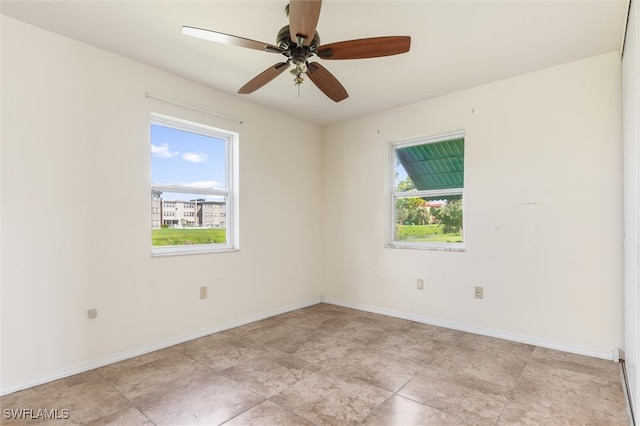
pixel 178 213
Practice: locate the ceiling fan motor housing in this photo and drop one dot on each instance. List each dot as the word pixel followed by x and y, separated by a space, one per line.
pixel 283 41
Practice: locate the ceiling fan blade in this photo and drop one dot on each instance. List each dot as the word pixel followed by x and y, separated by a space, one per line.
pixel 374 47
pixel 326 82
pixel 303 19
pixel 229 39
pixel 263 78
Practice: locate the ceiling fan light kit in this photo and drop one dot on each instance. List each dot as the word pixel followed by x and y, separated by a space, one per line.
pixel 299 41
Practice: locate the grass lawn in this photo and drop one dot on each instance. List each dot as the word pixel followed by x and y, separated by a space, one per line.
pixel 425 234
pixel 182 237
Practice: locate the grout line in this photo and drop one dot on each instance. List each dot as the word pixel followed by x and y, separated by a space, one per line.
pixel 113 386
pixel 243 337
pixel 290 410
pixel 511 391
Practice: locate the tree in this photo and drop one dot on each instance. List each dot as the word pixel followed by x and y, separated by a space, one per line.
pixel 411 205
pixel 405 185
pixel 450 217
pixel 422 214
pixel 402 214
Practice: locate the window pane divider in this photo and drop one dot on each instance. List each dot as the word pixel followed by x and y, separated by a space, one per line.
pixel 189 190
pixel 428 193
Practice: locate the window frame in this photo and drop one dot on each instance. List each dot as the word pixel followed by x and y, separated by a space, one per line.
pixel 229 193
pixel 394 195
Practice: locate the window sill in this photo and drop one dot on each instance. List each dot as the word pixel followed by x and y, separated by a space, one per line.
pixel 192 252
pixel 425 247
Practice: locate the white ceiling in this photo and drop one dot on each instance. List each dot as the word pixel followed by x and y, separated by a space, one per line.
pixel 455 44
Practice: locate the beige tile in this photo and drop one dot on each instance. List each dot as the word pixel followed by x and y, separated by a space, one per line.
pixel 219 354
pixel 271 372
pixel 327 398
pixel 206 400
pixel 597 392
pixel 268 413
pixel 162 372
pixel 332 318
pixel 485 358
pixel 578 363
pixel 382 369
pixel 291 342
pixel 319 317
pixel 137 361
pixel 492 345
pixel 413 344
pixel 324 349
pixel 405 412
pixel 527 409
pixel 355 331
pixel 267 322
pixel 87 397
pixel 242 330
pixel 322 322
pixel 332 309
pixel 475 401
pixel 440 333
pixel 504 368
pixel 267 330
pixel 382 321
pixel 132 416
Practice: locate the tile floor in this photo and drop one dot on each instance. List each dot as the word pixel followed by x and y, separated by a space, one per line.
pixel 327 365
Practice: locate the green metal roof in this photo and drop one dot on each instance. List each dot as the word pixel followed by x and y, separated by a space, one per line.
pixel 438 165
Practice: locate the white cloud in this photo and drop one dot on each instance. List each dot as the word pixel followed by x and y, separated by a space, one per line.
pixel 195 157
pixel 163 151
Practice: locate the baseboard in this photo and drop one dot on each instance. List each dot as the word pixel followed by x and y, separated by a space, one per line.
pixel 121 356
pixel 627 393
pixel 612 355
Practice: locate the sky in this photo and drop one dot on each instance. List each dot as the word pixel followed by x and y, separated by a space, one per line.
pixel 187 159
pixel 401 174
pixel 190 159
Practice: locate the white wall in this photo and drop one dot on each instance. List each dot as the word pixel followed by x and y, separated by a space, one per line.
pixel 543 211
pixel 631 137
pixel 75 128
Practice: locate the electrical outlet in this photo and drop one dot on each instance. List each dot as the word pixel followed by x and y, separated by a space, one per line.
pixel 92 313
pixel 420 284
pixel 203 292
pixel 479 292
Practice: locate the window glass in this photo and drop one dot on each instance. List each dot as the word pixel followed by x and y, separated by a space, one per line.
pixel 427 192
pixel 190 173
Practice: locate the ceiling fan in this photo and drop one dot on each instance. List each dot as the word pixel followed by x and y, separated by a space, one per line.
pixel 299 41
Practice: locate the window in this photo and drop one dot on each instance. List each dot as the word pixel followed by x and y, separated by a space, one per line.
pixel 191 167
pixel 427 192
